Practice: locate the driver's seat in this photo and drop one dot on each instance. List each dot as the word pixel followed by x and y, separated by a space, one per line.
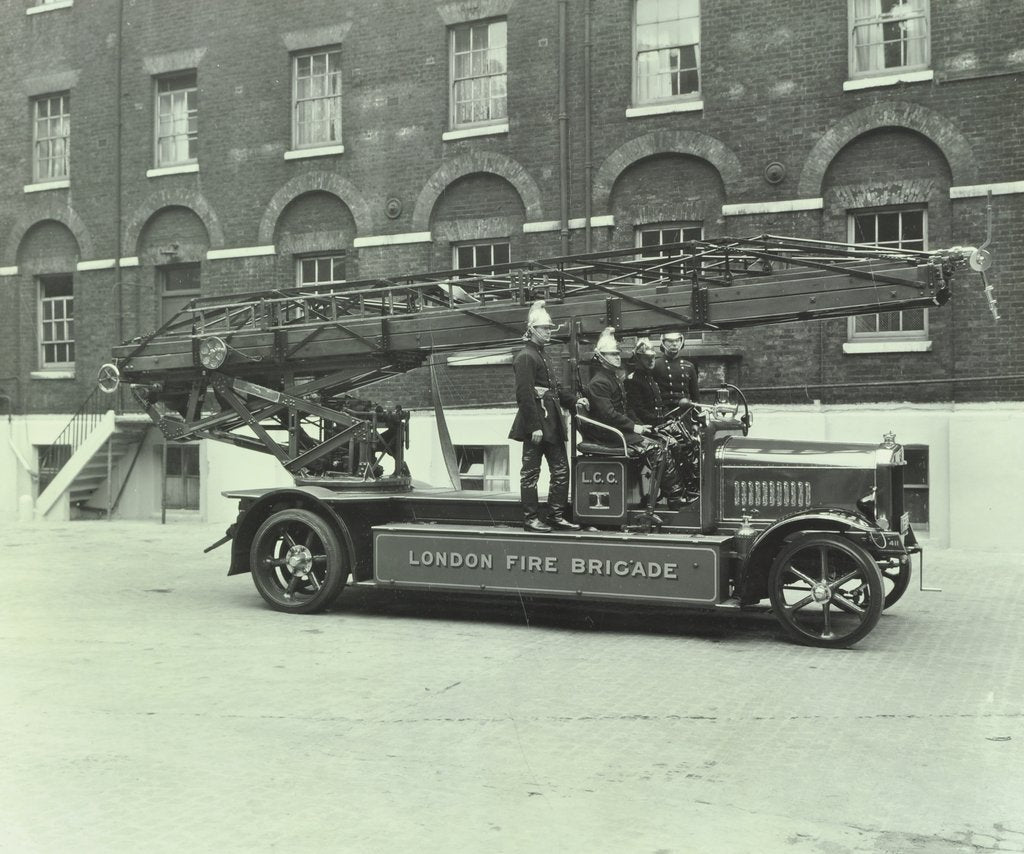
pixel 614 447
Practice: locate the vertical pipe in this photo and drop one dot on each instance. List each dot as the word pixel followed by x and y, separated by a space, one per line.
pixel 119 335
pixel 163 484
pixel 588 157
pixel 110 477
pixel 563 125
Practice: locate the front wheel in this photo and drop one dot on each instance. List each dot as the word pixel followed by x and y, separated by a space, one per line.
pixel 826 590
pixel 297 563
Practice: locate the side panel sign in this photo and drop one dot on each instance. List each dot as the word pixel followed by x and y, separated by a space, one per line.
pixel 548 565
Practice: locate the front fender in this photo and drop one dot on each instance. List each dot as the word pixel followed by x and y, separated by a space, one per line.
pixel 752 583
pixel 252 516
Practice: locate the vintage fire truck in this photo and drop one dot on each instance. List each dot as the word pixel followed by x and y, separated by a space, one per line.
pixel 817 529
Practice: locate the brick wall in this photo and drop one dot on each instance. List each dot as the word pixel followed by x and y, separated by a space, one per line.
pixel 772 85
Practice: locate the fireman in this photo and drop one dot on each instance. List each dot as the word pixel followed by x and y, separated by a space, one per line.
pixel 644 399
pixel 676 376
pixel 608 405
pixel 643 394
pixel 540 427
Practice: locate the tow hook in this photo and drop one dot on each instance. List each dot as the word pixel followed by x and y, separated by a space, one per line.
pixel 228 535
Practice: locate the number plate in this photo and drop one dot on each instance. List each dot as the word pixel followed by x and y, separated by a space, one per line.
pixel 904 523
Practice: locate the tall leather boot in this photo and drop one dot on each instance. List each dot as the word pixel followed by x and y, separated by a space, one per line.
pixel 557 520
pixel 535 526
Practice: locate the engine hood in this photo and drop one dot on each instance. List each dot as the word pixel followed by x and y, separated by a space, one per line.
pixel 771 478
pixel 786 453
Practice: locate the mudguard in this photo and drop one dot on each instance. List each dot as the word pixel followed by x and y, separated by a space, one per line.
pixel 752 579
pixel 252 516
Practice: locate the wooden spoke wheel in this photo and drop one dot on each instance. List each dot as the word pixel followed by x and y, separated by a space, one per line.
pixel 297 563
pixel 826 590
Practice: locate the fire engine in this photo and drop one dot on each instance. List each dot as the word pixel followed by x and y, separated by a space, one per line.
pixel 818 529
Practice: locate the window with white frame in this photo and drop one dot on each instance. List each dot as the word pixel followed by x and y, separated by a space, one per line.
pixel 483 254
pixel 887 35
pixel 177 119
pixel 51 131
pixel 56 322
pixel 320 269
pixel 483 467
pixel 666 50
pixel 651 238
pixel 901 229
pixel 316 98
pixel 479 78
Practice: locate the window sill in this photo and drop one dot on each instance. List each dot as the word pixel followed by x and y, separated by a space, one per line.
pixel 42 186
pixel 172 170
pixel 888 79
pixel 49 7
pixel 466 133
pixel 887 346
pixel 474 358
pixel 53 374
pixel 322 151
pixel 659 109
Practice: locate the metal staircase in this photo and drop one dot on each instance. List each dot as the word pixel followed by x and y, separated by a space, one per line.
pixel 84 463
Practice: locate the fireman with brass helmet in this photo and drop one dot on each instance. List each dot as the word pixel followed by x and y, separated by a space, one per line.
pixel 539 425
pixel 608 405
pixel 678 428
pixel 676 377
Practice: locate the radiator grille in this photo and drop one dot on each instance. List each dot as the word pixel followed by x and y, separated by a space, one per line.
pixel 771 493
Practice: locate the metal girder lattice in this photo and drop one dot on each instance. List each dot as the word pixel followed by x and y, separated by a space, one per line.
pixel 274 358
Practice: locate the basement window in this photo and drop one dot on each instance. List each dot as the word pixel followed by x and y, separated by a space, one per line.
pixel 483 467
pixel 915 485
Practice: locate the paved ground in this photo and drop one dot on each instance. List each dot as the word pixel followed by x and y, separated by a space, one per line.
pixel 150 704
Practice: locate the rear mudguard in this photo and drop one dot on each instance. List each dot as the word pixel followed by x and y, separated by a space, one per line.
pixel 252 516
pixel 752 579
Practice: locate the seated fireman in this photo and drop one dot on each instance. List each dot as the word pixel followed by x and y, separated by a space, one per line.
pixel 645 400
pixel 608 405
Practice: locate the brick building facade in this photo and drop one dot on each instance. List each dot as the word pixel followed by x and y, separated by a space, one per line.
pixel 154 151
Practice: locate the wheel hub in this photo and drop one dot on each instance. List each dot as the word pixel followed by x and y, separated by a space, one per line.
pixel 299 560
pixel 821 592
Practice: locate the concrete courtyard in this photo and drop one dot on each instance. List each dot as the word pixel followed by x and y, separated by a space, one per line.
pixel 152 704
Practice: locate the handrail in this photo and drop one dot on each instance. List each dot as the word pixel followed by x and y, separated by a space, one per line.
pixel 75 432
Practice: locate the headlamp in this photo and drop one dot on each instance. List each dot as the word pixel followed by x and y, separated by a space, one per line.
pixel 212 353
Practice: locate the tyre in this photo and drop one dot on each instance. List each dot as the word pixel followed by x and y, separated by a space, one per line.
pixel 826 590
pixel 297 562
pixel 896 581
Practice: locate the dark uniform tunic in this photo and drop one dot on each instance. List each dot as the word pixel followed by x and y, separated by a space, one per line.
pixel 539 396
pixel 644 398
pixel 677 378
pixel 608 404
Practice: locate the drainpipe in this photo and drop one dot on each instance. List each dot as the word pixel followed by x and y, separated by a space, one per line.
pixel 119 335
pixel 588 157
pixel 563 126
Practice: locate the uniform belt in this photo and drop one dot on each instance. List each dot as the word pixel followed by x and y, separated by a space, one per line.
pixel 544 398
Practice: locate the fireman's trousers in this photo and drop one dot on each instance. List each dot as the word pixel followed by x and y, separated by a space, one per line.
pixel 558 468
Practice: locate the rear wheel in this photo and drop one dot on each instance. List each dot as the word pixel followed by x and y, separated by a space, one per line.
pixel 298 565
pixel 826 590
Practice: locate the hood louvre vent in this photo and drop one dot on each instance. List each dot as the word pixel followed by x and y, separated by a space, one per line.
pixel 771 493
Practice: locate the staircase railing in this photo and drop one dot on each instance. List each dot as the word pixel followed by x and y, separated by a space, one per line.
pixel 75 432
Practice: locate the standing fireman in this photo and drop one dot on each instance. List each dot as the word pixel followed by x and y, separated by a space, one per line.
pixel 676 377
pixel 540 427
